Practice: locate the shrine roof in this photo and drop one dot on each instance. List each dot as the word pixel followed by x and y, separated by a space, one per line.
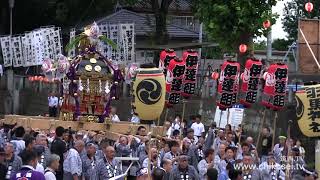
pixel 145 23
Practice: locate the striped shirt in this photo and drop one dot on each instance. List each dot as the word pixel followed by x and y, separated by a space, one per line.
pixel 72 163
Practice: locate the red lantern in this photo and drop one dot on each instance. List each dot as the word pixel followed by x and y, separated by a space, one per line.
pixel 31 78
pixel 243 48
pixel 190 57
pixel 274 92
pixel 215 75
pixel 250 82
pixel 228 84
pixel 308 7
pixel 266 24
pixel 40 78
pixel 174 80
pixel 165 57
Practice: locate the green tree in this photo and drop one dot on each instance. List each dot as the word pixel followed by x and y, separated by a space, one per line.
pixel 281 44
pixel 293 11
pixel 231 23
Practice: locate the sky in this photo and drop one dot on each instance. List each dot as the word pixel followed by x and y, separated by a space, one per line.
pixel 277 29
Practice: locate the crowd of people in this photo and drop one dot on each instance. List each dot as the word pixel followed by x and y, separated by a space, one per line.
pixel 189 151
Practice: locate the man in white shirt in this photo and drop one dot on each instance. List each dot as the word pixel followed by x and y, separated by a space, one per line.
pixel 198 127
pixel 72 165
pixel 53 165
pixel 53 105
pixel 113 116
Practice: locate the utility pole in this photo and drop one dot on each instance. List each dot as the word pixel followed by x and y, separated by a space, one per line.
pixel 11 6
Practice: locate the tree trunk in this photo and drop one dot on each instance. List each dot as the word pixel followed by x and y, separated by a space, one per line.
pixel 245 38
pixel 161 36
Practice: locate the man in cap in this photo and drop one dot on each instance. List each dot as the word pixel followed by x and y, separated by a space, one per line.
pixel 190 136
pixel 219 139
pixel 12 161
pixel 206 163
pixel 173 153
pixel 270 169
pixel 89 162
pixel 41 144
pixel 280 149
pixel 154 160
pixel 27 171
pixel 249 170
pixel 108 167
pixel 72 165
pixel 184 171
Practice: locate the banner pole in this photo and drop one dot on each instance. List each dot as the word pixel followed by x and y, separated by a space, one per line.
pixel 274 128
pixel 260 128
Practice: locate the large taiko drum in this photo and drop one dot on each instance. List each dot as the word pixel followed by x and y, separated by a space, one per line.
pixel 149 93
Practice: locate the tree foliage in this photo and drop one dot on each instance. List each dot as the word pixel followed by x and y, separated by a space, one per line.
pixel 293 11
pixel 31 14
pixel 233 22
pixel 281 44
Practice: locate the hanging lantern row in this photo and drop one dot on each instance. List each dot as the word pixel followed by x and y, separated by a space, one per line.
pixel 180 74
pixel 308 7
pixel 274 86
pixel 40 79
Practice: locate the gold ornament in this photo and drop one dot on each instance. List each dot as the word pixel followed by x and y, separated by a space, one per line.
pixel 97 68
pixel 93 60
pixel 88 68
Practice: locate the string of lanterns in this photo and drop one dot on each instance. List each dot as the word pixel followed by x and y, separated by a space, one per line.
pixel 40 79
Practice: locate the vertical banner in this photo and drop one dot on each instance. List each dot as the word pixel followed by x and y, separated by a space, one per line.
pixel 57 43
pixel 102 47
pixel 17 52
pixel 113 35
pixel 308 110
pixel 6 51
pixel 126 42
pixel 72 35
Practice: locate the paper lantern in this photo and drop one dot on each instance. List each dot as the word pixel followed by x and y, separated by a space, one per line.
pixel 228 84
pixel 250 82
pixel 243 48
pixel 308 7
pixel 215 75
pixel 40 78
pixel 190 57
pixel 307 110
pixel 174 80
pixel 274 91
pixel 149 93
pixel 47 65
pixel 165 57
pixel 29 78
pixel 32 78
pixel 266 24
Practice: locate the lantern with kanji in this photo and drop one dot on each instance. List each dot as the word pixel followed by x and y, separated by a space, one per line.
pixel 274 91
pixel 165 57
pixel 148 93
pixel 250 82
pixel 308 7
pixel 228 84
pixel 190 57
pixel 174 80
